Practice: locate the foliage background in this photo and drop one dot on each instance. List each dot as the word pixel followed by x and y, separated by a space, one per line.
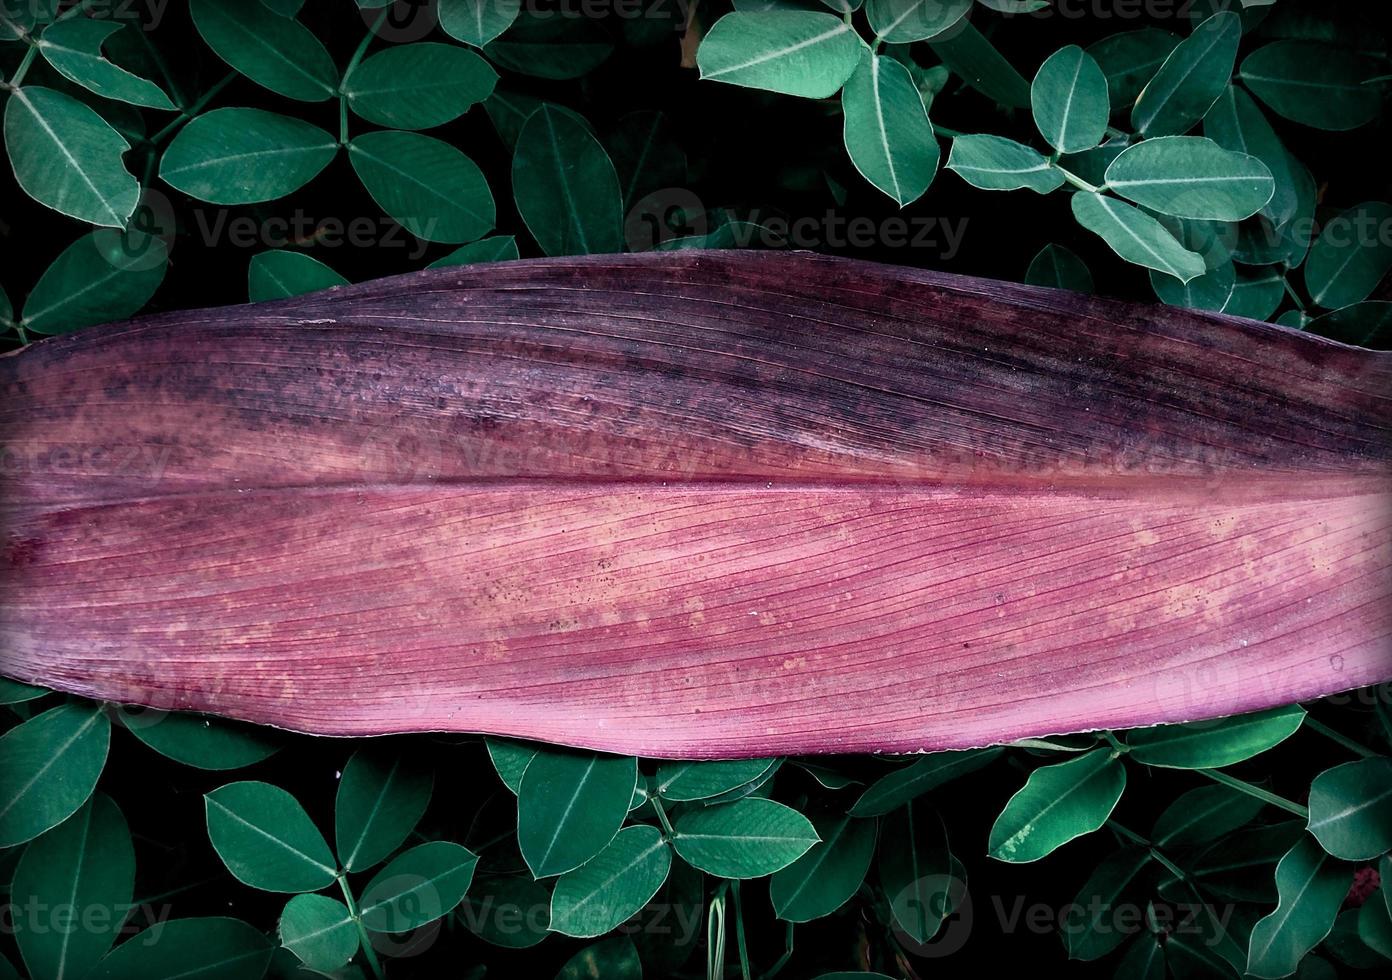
pixel 743 159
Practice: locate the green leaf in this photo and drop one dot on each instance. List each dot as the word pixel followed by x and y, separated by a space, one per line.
pixel 1350 257
pixel 794 52
pixel 902 21
pixel 1375 926
pixel 189 949
pixel 103 276
pixel 995 163
pixel 570 806
pixel 565 186
pixel 1056 804
pixel 278 274
pixel 1130 59
pixel 320 931
pixel 646 156
pixel 1216 743
pixel 427 186
pixel 1089 923
pixel 608 889
pixel 266 839
pixel 1210 291
pixel 243 156
pixel 1351 809
pixel 477 22
pixel 498 248
pixel 887 132
pixel 417 886
pixel 544 45
pixel 920 878
pixel 48 768
pixel 68 158
pixel 509 758
pixel 899 787
pixel 84 871
pixel 1136 236
pixel 1203 815
pixel 417 86
pixel 1059 268
pixel 611 959
pixel 1239 865
pixel 703 780
pixel 1069 100
pixel 13 692
pixel 277 52
pixel 381 798
pixel 1191 177
pixel 73 48
pixel 1214 240
pixel 748 838
pixel 1316 84
pixel 1311 886
pixel 208 743
pixel 974 60
pixel 511 912
pixel 1256 296
pixel 825 878
pixel 1362 324
pixel 1191 78
pixel 507 111
pixel 1235 123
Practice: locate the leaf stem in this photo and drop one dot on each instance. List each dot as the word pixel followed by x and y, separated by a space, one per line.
pixel 1156 854
pixel 782 961
pixel 1078 182
pixel 357 58
pixel 1295 297
pixel 342 120
pixel 24 64
pixel 368 951
pixel 193 110
pixel 739 932
pixel 662 816
pixel 1343 740
pixel 715 935
pixel 1255 791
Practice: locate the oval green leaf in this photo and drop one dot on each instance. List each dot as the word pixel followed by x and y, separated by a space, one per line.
pixel 417 86
pixel 278 274
pixel 512 912
pixel 1351 809
pixel 1217 743
pixel 509 758
pixel 1351 255
pixel 266 839
pixel 48 768
pixel 320 931
pixel 995 163
pixel 498 248
pixel 1191 177
pixel 703 780
pixel 795 52
pixel 902 21
pixel 1136 236
pixel 1130 59
pixel 886 130
pixel 104 276
pixel 570 806
pixel 427 186
pixel 825 878
pixel 1090 924
pixel 277 52
pixel 243 156
pixel 921 879
pixel 84 871
pixel 1057 804
pixel 381 798
pixel 608 889
pixel 1319 85
pixel 1191 78
pixel 1069 100
pixel 477 22
pixel 748 838
pixel 1211 291
pixel 68 158
pixel 1203 815
pixel 209 743
pixel 73 48
pixel 899 787
pixel 1059 268
pixel 565 186
pixel 1311 886
pixel 417 886
pixel 189 949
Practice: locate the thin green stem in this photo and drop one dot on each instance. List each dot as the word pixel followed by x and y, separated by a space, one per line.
pixel 782 961
pixel 715 935
pixel 945 131
pixel 1290 291
pixel 357 58
pixel 23 68
pixel 196 108
pixel 662 816
pixel 1343 740
pixel 1255 791
pixel 1118 749
pixel 1156 854
pixel 342 120
pixel 739 932
pixel 368 951
pixel 1078 182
